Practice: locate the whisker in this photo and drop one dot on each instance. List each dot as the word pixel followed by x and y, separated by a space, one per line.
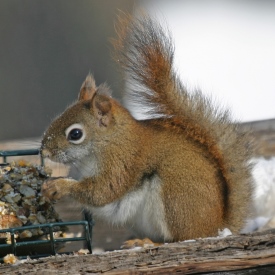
pixel 80 166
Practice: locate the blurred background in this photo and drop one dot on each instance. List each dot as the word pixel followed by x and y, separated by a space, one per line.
pixel 47 49
pixel 226 48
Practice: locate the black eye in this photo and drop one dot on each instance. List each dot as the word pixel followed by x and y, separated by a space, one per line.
pixel 75 134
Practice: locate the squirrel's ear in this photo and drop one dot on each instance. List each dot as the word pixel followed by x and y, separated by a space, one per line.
pixel 87 89
pixel 102 109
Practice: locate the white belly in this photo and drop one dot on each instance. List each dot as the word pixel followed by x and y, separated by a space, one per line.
pixel 141 210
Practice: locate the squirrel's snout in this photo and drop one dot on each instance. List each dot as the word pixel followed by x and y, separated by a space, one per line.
pixel 45 153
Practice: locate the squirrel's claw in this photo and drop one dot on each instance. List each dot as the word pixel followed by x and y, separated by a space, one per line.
pixel 145 243
pixel 52 188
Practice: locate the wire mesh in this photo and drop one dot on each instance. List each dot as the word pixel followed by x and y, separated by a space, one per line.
pixel 49 245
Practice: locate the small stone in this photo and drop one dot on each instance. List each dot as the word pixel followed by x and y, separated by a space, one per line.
pixel 27 191
pixel 33 219
pixel 23 219
pixel 16 197
pixel 26 203
pixel 10 259
pixel 7 188
pixel 40 217
pixel 22 212
pixel 8 198
pixel 33 209
pixel 25 234
pixel 14 176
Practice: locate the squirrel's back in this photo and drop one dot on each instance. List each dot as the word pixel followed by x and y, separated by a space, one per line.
pixel 146 52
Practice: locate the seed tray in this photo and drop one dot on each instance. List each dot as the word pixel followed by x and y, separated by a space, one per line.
pixel 49 245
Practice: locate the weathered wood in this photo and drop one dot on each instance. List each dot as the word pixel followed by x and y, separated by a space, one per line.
pixel 203 255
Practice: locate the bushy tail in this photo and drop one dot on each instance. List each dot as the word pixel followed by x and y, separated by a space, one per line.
pixel 146 52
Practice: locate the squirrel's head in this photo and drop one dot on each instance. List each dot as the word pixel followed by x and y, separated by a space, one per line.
pixel 82 126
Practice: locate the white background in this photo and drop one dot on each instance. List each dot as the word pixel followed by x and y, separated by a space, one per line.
pixel 226 49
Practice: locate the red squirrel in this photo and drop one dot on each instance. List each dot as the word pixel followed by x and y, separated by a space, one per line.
pixel 182 174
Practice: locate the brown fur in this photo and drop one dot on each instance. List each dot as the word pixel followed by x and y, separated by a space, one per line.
pixel 149 61
pixel 193 148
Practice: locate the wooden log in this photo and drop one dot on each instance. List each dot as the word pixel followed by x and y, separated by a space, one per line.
pixel 203 255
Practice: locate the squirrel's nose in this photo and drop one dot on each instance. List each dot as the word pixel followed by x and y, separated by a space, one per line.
pixel 45 153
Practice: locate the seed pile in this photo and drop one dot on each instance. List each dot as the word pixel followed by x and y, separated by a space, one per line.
pixel 21 201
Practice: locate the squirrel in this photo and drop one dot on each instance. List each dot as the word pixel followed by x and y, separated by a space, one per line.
pixel 181 174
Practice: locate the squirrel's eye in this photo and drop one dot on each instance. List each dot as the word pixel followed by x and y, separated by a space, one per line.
pixel 75 133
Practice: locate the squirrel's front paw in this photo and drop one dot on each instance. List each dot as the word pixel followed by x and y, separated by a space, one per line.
pixel 54 188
